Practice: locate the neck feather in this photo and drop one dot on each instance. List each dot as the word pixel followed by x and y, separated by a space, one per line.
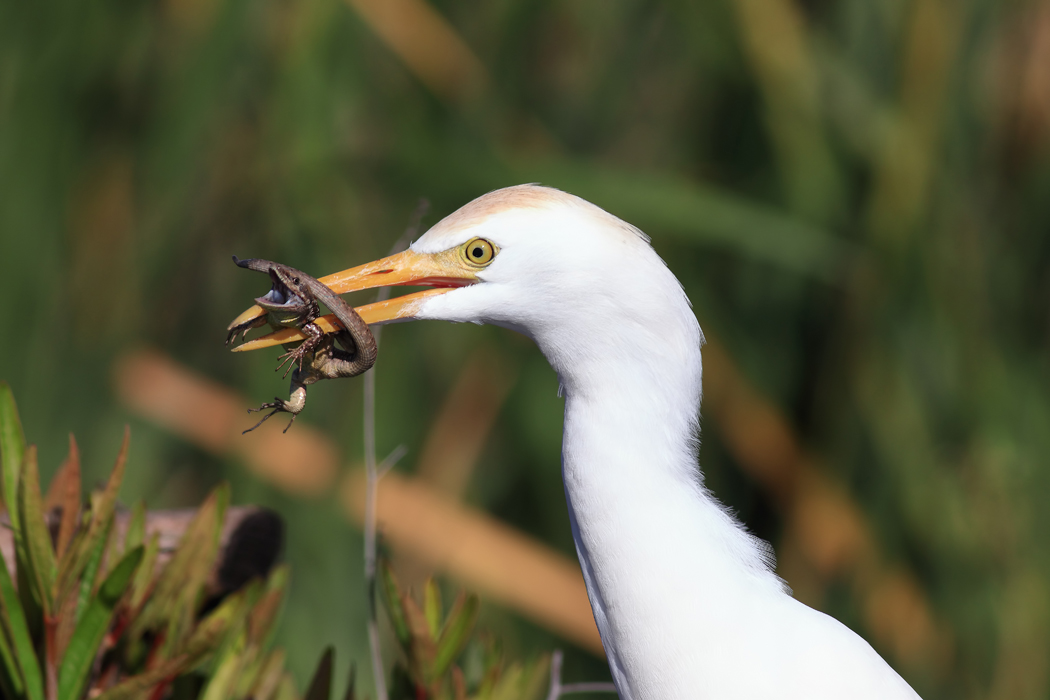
pixel 662 559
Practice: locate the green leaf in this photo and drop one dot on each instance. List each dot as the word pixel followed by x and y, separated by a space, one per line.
pixel 432 607
pixel 523 682
pixel 140 585
pixel 12 448
pixel 90 574
pixel 286 689
pixel 22 642
pixel 239 605
pixel 92 627
pixel 11 682
pixel 392 598
pixel 40 555
pixel 456 632
pixel 136 534
pixel 320 687
pixel 224 679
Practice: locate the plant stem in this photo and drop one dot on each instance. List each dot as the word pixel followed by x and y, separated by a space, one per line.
pixel 372 476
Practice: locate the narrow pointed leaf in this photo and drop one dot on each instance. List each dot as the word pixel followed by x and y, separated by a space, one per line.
pixel 40 556
pixel 136 534
pixel 264 613
pixel 93 625
pixel 422 649
pixel 12 447
pixel 432 607
pixel 392 598
pixel 21 640
pixel 270 676
pixel 103 507
pixel 351 683
pixel 140 586
pixel 91 570
pixel 11 682
pixel 456 633
pixel 239 606
pixel 251 665
pixel 223 680
pixel 320 687
pixel 64 493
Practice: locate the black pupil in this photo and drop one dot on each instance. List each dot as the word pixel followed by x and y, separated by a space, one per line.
pixel 478 252
pixel 295 280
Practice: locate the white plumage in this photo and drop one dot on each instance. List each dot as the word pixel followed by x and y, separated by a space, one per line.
pixel 684 597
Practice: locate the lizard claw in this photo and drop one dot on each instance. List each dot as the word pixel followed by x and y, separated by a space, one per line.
pixel 278 407
pixel 295 404
pixel 243 328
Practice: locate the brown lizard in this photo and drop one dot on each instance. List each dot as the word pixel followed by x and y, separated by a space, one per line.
pixel 292 302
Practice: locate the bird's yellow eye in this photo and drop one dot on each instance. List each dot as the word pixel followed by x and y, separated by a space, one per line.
pixel 478 251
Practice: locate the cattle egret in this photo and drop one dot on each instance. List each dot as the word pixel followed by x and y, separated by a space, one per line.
pixel 686 601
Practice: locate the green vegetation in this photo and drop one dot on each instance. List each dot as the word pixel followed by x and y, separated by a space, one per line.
pixel 854 193
pixel 95 615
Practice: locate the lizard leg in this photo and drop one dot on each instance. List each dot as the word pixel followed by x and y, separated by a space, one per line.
pixel 296 355
pixel 294 405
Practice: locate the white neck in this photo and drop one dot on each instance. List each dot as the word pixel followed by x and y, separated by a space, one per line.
pixel 662 559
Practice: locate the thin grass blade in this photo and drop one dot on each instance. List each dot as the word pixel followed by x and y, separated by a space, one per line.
pixel 12 448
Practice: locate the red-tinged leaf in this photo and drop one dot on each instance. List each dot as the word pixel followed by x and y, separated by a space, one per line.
pixel 139 686
pixel 102 510
pixel 269 677
pixel 459 684
pixel 64 494
pixel 422 649
pixel 40 556
pixel 264 613
pixel 12 448
pixel 67 622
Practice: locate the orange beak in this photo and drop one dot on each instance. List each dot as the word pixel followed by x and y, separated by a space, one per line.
pixel 445 271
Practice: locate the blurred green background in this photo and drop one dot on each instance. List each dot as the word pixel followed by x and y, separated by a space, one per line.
pixel 855 194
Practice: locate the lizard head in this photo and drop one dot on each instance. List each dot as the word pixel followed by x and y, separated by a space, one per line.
pixel 289 302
